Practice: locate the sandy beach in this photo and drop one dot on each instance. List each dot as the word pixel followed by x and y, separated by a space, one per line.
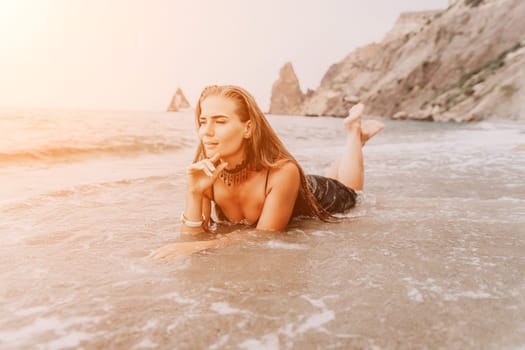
pixel 432 256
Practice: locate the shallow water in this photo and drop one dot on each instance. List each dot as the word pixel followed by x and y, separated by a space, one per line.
pixel 432 257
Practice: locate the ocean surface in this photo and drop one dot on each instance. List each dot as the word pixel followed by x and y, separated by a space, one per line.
pixel 433 256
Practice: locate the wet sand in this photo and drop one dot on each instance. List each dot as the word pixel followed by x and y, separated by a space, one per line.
pixel 432 257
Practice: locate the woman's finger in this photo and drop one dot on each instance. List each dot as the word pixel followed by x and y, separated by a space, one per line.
pixel 199 166
pixel 204 167
pixel 220 167
pixel 209 164
pixel 215 158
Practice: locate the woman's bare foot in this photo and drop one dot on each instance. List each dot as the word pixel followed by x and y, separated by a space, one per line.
pixel 367 128
pixel 353 121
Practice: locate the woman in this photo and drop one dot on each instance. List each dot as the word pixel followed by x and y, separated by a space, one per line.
pixel 242 173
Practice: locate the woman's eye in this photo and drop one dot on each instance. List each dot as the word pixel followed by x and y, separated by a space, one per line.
pixel 221 121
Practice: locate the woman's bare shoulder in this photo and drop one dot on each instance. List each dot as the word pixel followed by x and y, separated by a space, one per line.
pixel 284 173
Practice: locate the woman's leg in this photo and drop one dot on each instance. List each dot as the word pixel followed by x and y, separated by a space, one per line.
pixel 349 168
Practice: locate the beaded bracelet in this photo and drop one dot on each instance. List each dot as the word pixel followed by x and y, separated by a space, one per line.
pixel 190 223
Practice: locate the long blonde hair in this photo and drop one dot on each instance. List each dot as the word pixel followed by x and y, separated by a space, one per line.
pixel 264 149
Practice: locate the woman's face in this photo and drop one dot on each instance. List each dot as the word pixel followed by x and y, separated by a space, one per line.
pixel 221 129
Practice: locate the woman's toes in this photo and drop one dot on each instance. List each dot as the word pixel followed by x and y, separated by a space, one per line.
pixel 369 128
pixel 354 116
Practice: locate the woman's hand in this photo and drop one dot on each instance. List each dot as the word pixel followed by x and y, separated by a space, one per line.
pixel 183 249
pixel 202 175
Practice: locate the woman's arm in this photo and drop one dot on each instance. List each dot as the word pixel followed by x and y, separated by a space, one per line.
pixel 197 208
pixel 196 214
pixel 200 177
pixel 183 249
pixel 278 206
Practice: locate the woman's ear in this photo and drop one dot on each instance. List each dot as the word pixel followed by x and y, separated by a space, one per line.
pixel 248 129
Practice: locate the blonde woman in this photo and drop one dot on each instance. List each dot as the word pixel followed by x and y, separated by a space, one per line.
pixel 242 173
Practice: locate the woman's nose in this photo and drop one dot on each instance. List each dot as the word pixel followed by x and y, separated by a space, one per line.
pixel 207 129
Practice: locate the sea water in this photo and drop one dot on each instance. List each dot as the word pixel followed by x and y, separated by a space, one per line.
pixel 432 256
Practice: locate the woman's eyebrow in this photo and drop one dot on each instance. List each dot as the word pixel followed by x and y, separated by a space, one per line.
pixel 213 116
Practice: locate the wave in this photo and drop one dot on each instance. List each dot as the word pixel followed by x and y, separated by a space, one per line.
pixel 63 153
pixel 45 197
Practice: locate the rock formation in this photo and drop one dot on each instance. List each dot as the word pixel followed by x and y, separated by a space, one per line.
pixel 409 22
pixel 287 97
pixel 178 101
pixel 463 63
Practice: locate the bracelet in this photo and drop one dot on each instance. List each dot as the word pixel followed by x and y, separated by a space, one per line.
pixel 190 223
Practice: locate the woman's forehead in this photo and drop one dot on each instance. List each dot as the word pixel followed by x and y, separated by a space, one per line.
pixel 218 105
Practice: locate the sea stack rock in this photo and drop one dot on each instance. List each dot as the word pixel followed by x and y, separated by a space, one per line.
pixel 287 97
pixel 178 101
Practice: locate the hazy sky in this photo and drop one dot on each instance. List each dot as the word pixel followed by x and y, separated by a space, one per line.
pixel 133 54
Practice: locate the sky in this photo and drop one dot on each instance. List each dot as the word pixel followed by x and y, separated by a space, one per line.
pixel 133 54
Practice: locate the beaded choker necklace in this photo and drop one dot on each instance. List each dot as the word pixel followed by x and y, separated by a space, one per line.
pixel 235 176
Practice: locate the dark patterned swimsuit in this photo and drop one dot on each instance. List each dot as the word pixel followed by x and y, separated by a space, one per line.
pixel 332 195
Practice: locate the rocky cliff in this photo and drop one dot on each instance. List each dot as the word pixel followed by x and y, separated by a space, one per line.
pixel 287 97
pixel 463 63
pixel 409 22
